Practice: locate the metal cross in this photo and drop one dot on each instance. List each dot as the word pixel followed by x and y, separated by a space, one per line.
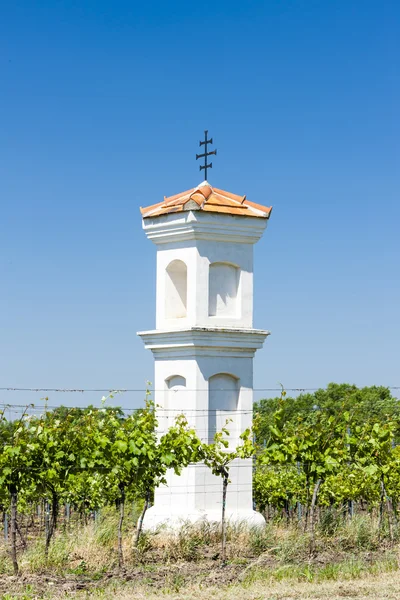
pixel 205 154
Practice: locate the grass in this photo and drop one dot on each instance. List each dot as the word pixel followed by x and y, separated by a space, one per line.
pixel 262 564
pixel 351 568
pixel 381 586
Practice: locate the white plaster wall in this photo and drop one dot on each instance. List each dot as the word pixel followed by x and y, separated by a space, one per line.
pixel 178 496
pixel 175 388
pixel 198 256
pixel 166 254
pixel 176 290
pixel 240 368
pixel 223 399
pixel 185 398
pixel 194 399
pixel 238 254
pixel 239 497
pixel 200 239
pixel 196 489
pixel 223 284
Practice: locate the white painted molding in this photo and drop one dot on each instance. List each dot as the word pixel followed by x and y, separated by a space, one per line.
pixel 199 225
pixel 204 341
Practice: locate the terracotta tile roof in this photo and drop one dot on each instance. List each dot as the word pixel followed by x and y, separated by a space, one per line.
pixel 204 197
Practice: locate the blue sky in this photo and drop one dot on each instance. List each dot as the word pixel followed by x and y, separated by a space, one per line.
pixel 102 106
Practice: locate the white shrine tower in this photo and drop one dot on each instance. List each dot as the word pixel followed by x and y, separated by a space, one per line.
pixel 204 341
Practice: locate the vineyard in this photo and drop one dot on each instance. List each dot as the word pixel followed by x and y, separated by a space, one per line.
pixel 326 468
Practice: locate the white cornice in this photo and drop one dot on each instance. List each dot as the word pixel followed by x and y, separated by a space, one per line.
pixel 198 225
pixel 204 341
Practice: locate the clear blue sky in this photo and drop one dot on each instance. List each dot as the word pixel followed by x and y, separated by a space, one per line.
pixel 102 105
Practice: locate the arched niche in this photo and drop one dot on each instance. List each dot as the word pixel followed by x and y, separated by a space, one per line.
pixel 223 397
pixel 175 400
pixel 223 289
pixel 176 382
pixel 176 290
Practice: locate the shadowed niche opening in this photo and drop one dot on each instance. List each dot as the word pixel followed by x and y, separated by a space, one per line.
pixel 176 290
pixel 175 400
pixel 223 289
pixel 223 390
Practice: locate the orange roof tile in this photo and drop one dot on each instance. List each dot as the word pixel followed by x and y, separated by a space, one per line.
pixel 204 197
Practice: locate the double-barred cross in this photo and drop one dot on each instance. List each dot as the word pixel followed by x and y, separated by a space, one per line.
pixel 206 154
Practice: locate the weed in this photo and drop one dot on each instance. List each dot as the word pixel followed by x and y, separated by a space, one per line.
pixel 174 583
pixel 261 539
pixel 360 532
pixel 80 569
pixel 105 530
pixel 144 545
pixel 183 544
pixel 331 520
pixel 292 547
pixel 34 559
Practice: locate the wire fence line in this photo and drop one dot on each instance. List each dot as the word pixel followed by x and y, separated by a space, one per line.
pixel 12 410
pixel 124 390
pixel 177 411
pixel 35 407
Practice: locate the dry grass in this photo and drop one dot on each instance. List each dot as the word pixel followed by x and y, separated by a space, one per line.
pixel 382 587
pixel 271 564
pixel 93 548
